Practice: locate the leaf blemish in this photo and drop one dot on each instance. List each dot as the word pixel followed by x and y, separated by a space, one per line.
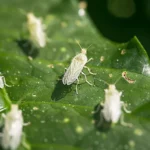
pixel 50 66
pixel 123 52
pixel 110 75
pixel 35 108
pixel 79 129
pixel 131 143
pixel 138 132
pixel 66 120
pixel 33 95
pixel 63 49
pixel 102 58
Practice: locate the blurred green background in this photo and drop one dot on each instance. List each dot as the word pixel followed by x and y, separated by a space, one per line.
pixel 120 20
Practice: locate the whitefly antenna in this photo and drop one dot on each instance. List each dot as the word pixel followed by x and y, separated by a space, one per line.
pixel 103 81
pixel 83 50
pixel 117 80
pixel 108 83
pixel 22 11
pixel 89 47
pixel 21 99
pixel 78 44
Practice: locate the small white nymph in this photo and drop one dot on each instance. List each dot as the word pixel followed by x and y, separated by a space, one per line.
pixel 76 67
pixel 36 30
pixel 12 131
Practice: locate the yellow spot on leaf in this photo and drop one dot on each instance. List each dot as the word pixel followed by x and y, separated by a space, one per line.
pixel 131 143
pixel 79 129
pixel 66 120
pixel 138 132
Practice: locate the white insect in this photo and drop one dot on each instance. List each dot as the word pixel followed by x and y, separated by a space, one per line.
pixel 76 67
pixel 112 107
pixel 3 82
pixel 36 30
pixel 82 7
pixel 12 132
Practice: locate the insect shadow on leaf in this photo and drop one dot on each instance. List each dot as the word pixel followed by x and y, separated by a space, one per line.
pixel 60 90
pixel 27 47
pixel 100 123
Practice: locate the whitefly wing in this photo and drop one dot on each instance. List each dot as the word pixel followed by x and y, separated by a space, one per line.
pixel 112 105
pixel 36 29
pixel 38 35
pixel 75 68
pixel 12 131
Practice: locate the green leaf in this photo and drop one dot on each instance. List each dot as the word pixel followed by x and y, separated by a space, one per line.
pixel 61 119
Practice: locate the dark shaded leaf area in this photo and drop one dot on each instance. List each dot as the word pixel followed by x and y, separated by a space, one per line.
pixel 61 119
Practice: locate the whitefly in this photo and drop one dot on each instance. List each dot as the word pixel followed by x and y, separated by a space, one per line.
pixel 12 131
pixel 73 71
pixel 112 106
pixel 36 30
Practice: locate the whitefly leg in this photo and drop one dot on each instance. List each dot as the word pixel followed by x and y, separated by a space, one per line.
pixel 77 86
pixel 89 70
pixel 27 123
pixel 124 108
pixel 24 142
pixel 122 122
pixel 1 110
pixel 89 60
pixel 65 70
pixel 5 81
pixel 3 115
pixel 86 78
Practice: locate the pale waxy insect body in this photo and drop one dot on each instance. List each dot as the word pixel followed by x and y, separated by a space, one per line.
pixel 12 131
pixel 112 106
pixel 36 30
pixel 75 68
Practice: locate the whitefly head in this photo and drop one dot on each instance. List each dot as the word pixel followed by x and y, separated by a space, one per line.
pixel 83 51
pixel 15 112
pixel 30 16
pixel 14 107
pixel 112 87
